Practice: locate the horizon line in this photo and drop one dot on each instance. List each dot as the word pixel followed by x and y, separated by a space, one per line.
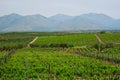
pixel 56 14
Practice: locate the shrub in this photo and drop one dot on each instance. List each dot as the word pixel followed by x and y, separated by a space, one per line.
pixel 61 45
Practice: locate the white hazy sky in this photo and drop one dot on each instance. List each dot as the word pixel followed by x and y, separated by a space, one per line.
pixel 52 7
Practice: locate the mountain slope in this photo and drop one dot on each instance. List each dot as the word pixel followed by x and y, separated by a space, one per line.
pixel 60 17
pixel 90 21
pixel 59 22
pixel 8 20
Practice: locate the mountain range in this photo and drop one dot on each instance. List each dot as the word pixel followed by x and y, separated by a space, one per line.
pixel 59 22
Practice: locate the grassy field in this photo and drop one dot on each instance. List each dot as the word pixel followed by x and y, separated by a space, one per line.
pixel 59 56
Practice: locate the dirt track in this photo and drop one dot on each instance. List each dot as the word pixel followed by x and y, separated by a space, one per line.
pixel 32 41
pixel 98 38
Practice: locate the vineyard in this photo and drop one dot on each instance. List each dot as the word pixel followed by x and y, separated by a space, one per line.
pixel 59 56
pixel 112 38
pixel 67 40
pixel 38 64
pixel 2 54
pixel 14 41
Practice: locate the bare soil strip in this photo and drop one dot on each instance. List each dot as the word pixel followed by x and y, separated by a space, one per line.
pixel 117 43
pixel 32 41
pixel 99 39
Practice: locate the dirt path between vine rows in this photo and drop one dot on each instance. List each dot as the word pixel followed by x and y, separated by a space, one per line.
pixel 99 39
pixel 117 43
pixel 32 41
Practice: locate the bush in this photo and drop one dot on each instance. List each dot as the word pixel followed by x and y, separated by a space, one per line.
pixel 44 46
pixel 102 32
pixel 52 45
pixel 61 45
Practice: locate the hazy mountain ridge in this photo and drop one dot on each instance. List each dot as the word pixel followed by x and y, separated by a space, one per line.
pixel 59 22
pixel 61 17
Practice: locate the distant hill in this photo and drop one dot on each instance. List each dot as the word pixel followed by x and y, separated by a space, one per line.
pixel 59 22
pixel 60 17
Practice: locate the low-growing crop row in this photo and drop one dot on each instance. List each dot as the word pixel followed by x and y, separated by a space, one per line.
pixel 38 64
pixel 5 56
pixel 2 54
pixel 14 41
pixel 66 40
pixel 109 54
pixel 110 37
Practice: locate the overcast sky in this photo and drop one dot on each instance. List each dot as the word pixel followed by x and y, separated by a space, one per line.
pixel 52 7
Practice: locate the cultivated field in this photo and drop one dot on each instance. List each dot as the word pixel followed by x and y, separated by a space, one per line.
pixel 59 56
